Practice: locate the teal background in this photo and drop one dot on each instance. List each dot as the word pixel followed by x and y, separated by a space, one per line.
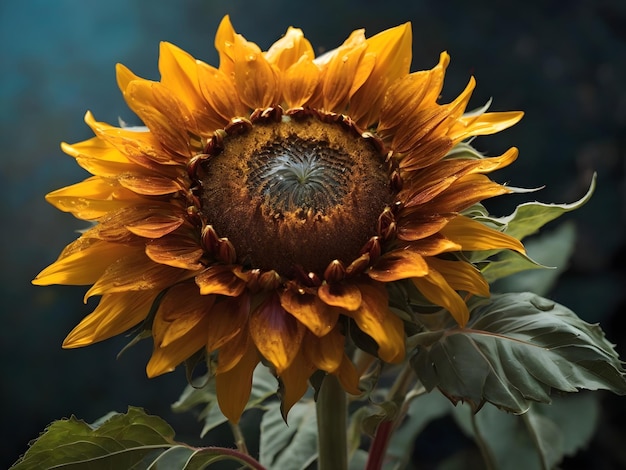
pixel 563 63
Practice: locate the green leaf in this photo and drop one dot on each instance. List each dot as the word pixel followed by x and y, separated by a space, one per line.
pixel 515 349
pixel 292 446
pixel 130 440
pixel 530 217
pixel 539 438
pixel 551 249
pixel 264 385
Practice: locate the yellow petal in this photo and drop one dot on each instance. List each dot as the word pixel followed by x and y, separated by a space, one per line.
pixel 136 272
pixel 341 294
pixel 464 193
pixel 115 314
pixel 228 318
pixel 289 49
pixel 181 310
pixel 317 316
pixel 414 226
pixel 256 79
pixel 179 73
pixel 164 114
pixel 407 96
pixel 474 236
pixel 484 124
pixel 435 288
pixel 224 40
pixel 342 73
pixel 392 52
pixel 155 226
pixel 325 352
pixel 375 319
pixel 220 279
pixel 220 92
pixel 295 382
pixel 398 264
pixel 276 333
pixel 300 81
pixel 83 262
pixel 179 250
pixel 165 359
pixel 461 276
pixel 233 386
pixel 348 377
pixel 92 198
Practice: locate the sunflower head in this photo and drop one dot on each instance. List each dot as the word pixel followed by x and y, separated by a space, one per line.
pixel 268 205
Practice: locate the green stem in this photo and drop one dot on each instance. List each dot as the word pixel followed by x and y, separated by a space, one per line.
pixel 240 440
pixel 332 440
pixel 485 451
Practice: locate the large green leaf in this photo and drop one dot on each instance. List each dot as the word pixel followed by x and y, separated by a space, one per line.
pixel 293 446
pixel 515 349
pixel 130 440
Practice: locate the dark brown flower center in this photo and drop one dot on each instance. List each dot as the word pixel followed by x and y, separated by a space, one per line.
pixel 299 192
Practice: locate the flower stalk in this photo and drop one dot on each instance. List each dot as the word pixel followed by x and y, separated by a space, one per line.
pixel 332 441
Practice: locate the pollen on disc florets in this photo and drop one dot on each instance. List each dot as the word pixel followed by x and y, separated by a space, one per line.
pixel 298 190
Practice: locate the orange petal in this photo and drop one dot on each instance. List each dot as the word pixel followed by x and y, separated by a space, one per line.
pixel 392 50
pixel 412 227
pixel 256 79
pixel 317 316
pixel 434 245
pixel 398 264
pixel 92 198
pixel 474 236
pixel 220 92
pixel 295 382
pixel 233 386
pixel 289 49
pixel 181 310
pixel 163 113
pixel 348 377
pixel 224 40
pixel 114 314
pixel 179 250
pixel 410 94
pixel 300 81
pixel 276 333
pixel 136 272
pixel 155 226
pixel 484 124
pixel 220 279
pixel 341 294
pixel 436 289
pixel 341 72
pixel 83 262
pixel 165 359
pixel 464 193
pixel 375 319
pixel 325 352
pixel 231 352
pixel 228 318
pixel 461 276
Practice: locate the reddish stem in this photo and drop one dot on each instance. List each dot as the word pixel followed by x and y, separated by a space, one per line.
pixel 242 457
pixel 378 449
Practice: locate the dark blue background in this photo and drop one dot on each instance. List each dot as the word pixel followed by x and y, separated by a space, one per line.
pixel 563 63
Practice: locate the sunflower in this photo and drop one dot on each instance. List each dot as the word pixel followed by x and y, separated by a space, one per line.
pixel 268 205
